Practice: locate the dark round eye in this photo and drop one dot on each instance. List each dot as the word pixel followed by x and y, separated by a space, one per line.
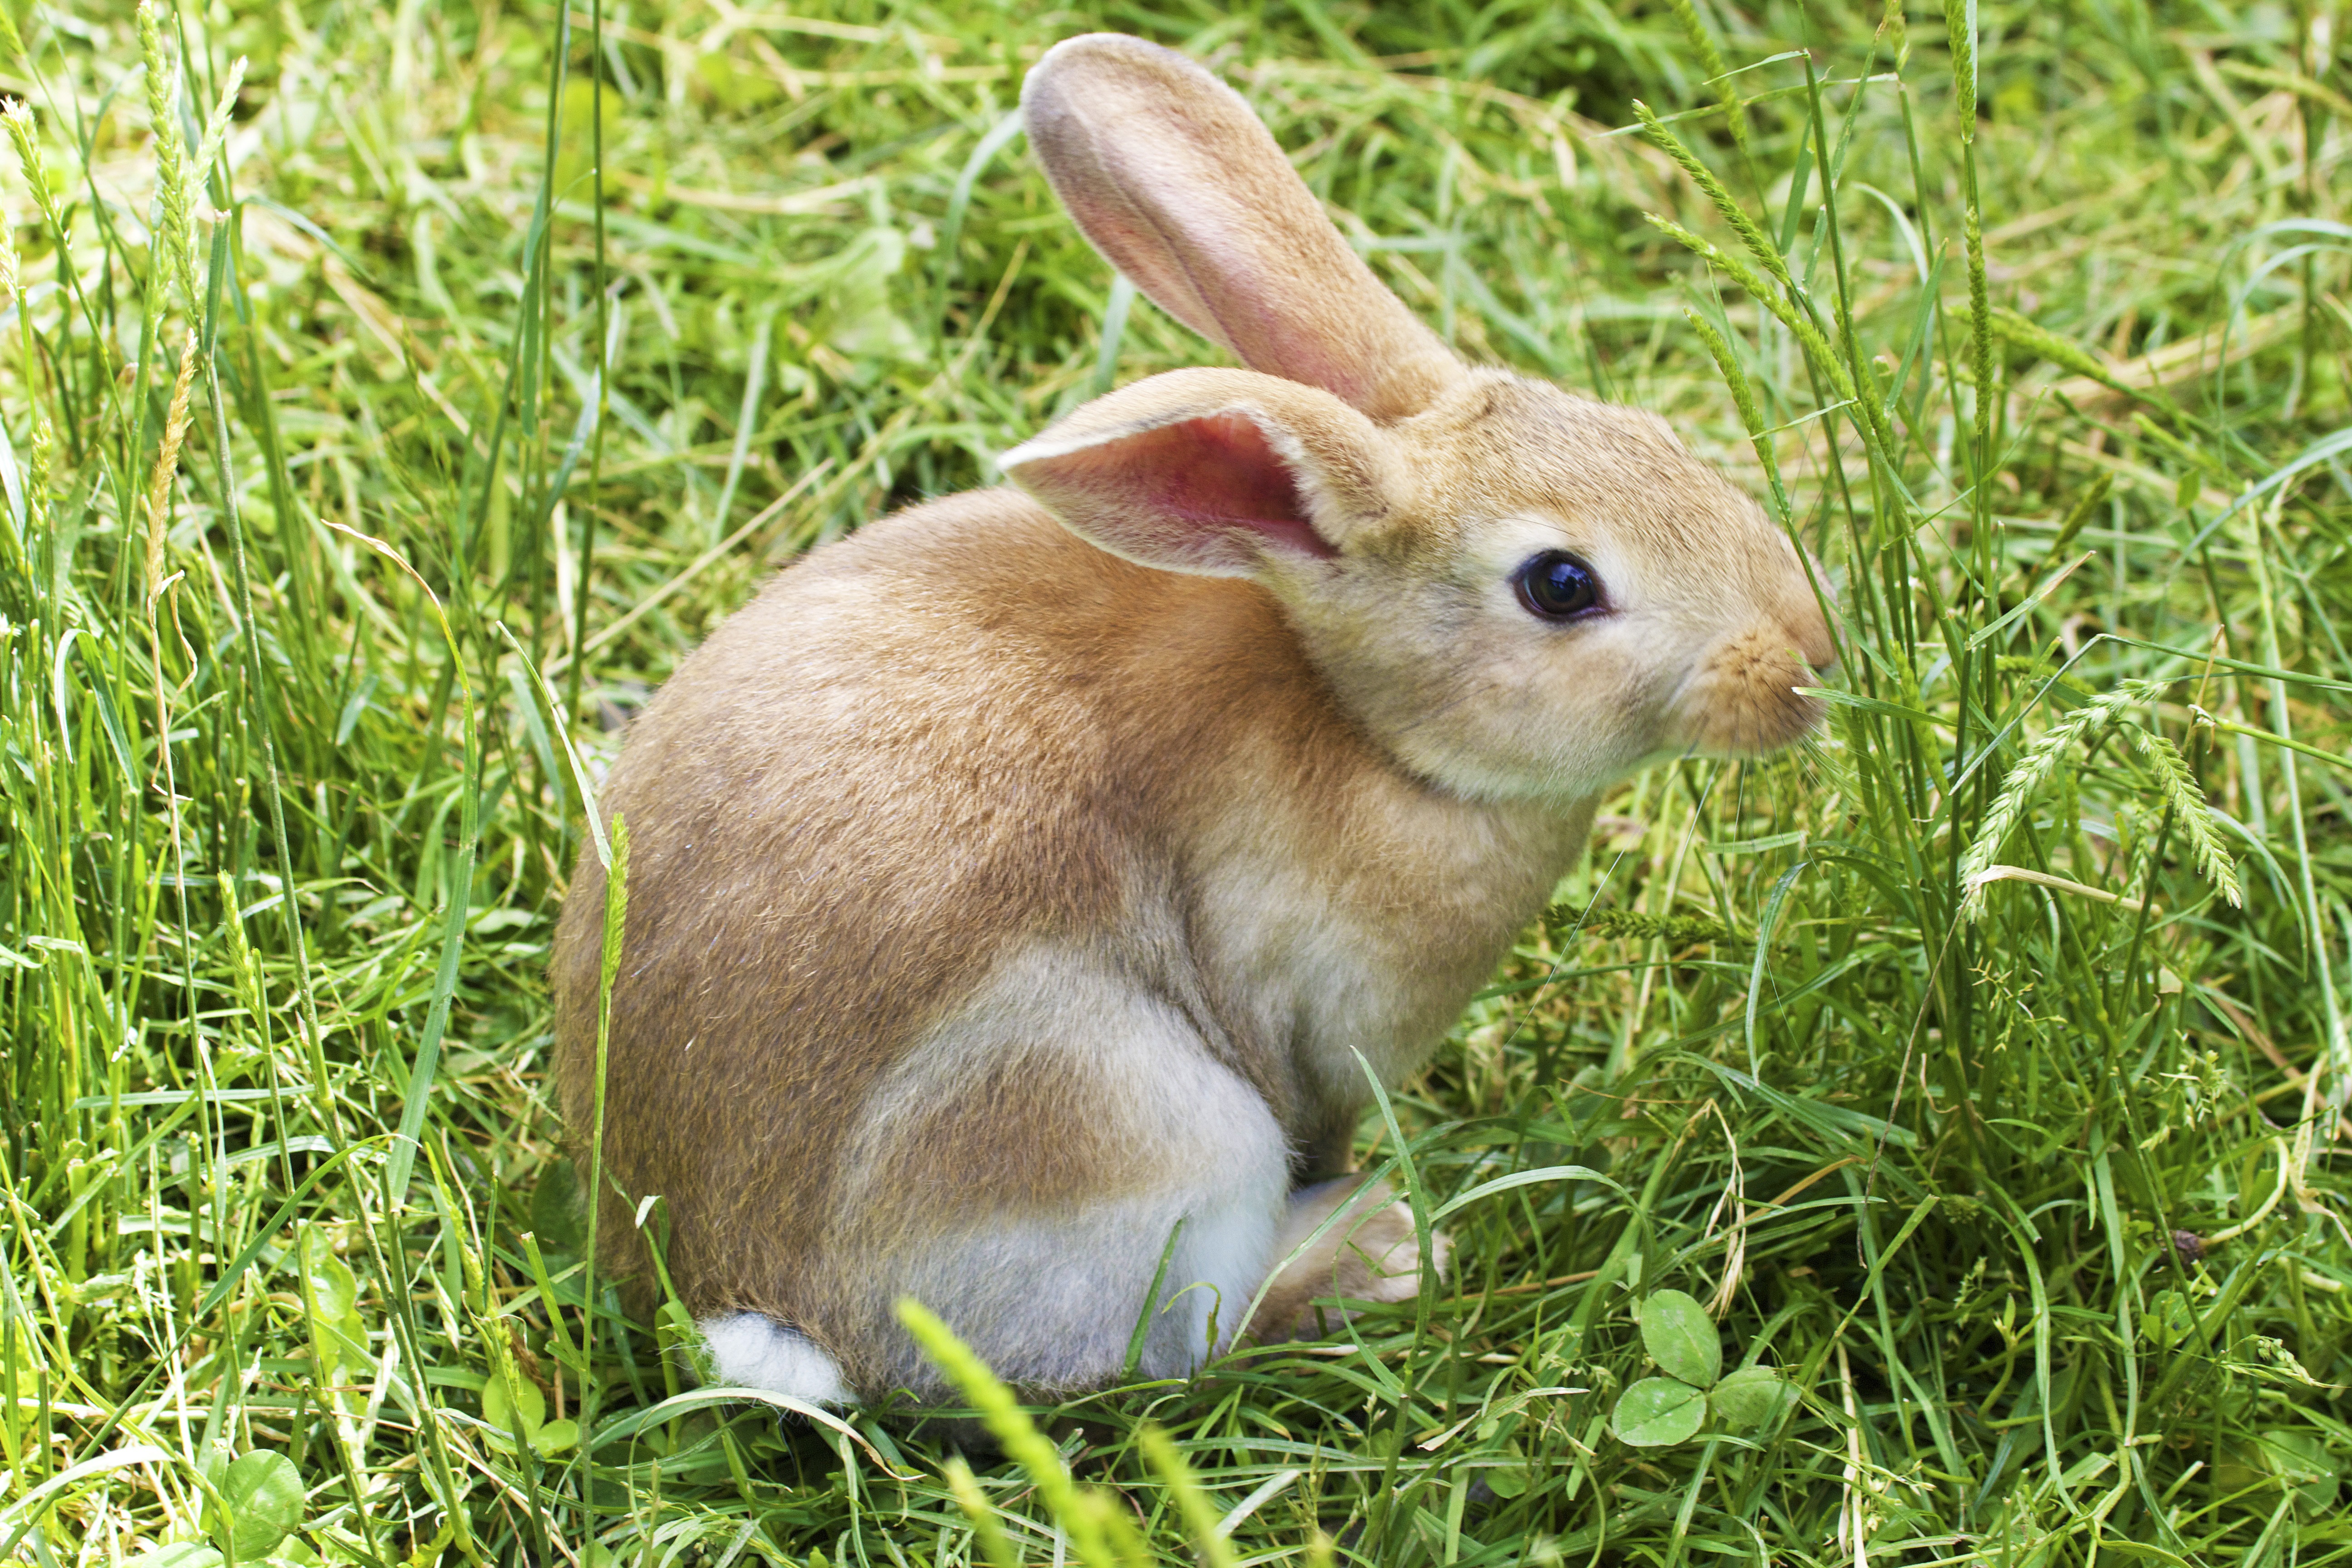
pixel 1557 586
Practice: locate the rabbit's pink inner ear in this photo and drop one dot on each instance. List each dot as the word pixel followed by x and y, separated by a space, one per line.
pixel 1207 495
pixel 1221 472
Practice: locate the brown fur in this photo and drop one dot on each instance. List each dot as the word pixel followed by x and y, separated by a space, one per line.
pixel 988 885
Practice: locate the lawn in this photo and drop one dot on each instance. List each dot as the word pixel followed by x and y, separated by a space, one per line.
pixel 394 395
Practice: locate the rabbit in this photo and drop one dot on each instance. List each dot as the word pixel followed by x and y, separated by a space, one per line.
pixel 1023 886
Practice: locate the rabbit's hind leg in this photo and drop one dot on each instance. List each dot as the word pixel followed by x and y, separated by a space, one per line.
pixel 1023 1172
pixel 1053 1303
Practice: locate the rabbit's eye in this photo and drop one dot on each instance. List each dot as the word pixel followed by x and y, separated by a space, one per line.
pixel 1557 586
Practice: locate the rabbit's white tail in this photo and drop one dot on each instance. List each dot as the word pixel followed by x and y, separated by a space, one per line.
pixel 750 1351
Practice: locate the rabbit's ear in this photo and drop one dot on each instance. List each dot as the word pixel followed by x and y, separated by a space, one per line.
pixel 1182 187
pixel 1210 471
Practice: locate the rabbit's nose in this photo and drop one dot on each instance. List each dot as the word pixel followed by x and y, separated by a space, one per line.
pixel 1806 621
pixel 1813 642
pixel 1809 631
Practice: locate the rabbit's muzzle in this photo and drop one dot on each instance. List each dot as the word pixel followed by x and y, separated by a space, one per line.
pixel 1745 699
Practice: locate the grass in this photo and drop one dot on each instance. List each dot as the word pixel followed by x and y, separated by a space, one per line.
pixel 1937 1061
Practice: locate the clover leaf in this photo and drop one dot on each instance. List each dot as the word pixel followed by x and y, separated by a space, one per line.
pixel 258 1505
pixel 1751 1398
pixel 1658 1411
pixel 1681 1338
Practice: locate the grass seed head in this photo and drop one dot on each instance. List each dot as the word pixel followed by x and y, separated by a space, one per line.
pixel 167 463
pixel 2191 811
pixel 175 215
pixel 17 115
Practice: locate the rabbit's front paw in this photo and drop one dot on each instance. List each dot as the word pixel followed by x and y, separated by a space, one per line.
pixel 1368 1252
pixel 1380 1260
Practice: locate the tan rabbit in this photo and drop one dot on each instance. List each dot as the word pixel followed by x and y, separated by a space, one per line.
pixel 1028 876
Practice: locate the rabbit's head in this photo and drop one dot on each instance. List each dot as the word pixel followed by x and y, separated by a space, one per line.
pixel 1518 591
